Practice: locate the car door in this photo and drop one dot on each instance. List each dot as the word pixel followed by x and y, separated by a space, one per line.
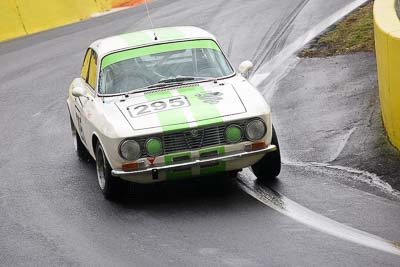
pixel 88 79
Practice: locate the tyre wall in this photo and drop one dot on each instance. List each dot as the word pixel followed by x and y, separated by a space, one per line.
pixel 21 17
pixel 387 42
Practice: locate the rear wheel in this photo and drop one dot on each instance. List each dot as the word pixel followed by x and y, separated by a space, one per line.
pixel 110 186
pixel 80 148
pixel 269 166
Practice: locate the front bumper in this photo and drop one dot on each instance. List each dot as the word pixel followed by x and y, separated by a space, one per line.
pixel 236 158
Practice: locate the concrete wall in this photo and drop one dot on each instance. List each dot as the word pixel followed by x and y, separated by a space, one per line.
pixel 21 17
pixel 387 41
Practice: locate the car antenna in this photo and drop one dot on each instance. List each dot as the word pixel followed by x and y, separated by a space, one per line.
pixel 151 22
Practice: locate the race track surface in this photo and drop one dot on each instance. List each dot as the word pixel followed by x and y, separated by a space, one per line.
pixel 52 212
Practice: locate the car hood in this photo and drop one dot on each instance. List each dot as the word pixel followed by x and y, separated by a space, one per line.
pixel 181 108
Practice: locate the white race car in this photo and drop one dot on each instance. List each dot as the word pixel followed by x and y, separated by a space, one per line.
pixel 166 104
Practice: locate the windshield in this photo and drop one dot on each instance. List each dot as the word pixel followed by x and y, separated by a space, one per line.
pixel 155 65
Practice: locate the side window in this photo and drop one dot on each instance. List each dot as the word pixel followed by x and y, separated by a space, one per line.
pixel 85 66
pixel 92 71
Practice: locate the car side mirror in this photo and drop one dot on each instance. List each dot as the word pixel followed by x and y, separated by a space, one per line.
pixel 245 67
pixel 78 92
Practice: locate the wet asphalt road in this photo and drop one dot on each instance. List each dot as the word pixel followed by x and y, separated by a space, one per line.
pixel 52 212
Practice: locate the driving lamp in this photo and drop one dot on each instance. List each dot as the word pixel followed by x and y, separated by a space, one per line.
pixel 130 150
pixel 255 130
pixel 233 134
pixel 154 147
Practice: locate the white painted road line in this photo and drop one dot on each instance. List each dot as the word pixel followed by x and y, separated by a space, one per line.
pixel 282 204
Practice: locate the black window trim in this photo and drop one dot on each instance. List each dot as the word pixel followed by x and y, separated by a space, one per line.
pixel 83 63
pixel 92 54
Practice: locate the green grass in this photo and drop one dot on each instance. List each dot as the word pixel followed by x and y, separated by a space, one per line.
pixel 354 34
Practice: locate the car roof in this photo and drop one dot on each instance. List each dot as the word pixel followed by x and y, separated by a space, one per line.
pixel 146 37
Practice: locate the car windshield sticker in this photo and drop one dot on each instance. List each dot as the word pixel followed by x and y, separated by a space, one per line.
pixel 155 49
pixel 158 106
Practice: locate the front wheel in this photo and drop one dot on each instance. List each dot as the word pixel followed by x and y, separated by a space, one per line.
pixel 110 186
pixel 270 165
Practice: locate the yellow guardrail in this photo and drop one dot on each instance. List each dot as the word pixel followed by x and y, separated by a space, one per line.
pixel 387 42
pixel 21 17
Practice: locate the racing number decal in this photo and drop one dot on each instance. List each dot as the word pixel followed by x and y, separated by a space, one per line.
pixel 157 106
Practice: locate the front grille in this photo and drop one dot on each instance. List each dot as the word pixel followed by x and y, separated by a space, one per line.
pixel 192 139
pixel 196 138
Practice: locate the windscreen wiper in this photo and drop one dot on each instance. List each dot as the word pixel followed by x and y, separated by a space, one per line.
pixel 148 88
pixel 177 79
pixel 171 81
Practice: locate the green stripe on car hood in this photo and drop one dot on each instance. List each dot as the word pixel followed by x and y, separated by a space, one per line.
pixel 201 110
pixel 170 120
pixel 208 105
pixel 176 119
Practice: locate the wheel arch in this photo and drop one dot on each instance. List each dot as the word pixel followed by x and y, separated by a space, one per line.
pixel 96 140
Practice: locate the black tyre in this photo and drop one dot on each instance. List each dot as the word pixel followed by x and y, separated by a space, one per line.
pixel 269 166
pixel 110 186
pixel 80 148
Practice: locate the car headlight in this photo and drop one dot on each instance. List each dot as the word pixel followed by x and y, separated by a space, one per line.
pixel 130 150
pixel 154 147
pixel 255 130
pixel 233 133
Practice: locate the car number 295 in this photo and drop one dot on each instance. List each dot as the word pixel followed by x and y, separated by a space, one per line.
pixel 158 106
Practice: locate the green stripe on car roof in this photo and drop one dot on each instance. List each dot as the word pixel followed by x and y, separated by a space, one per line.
pixel 135 38
pixel 165 34
pixel 155 49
